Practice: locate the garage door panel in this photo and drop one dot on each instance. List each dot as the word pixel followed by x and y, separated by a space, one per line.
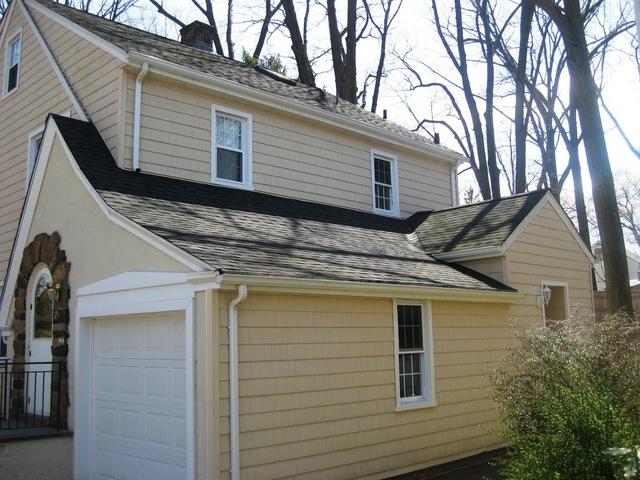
pixel 140 398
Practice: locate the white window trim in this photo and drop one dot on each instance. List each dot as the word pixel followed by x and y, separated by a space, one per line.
pixel 567 306
pixel 30 153
pixel 247 161
pixel 395 197
pixel 428 379
pixel 17 35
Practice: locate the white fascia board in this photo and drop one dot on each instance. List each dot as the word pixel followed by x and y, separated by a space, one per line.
pixel 28 211
pixel 73 98
pixel 363 289
pixel 220 85
pixel 99 42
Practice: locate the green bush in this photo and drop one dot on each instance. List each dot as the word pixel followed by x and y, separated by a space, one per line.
pixel 567 394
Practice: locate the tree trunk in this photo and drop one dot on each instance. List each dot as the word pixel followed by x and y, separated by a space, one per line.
pixel 305 73
pixel 230 29
pixel 350 74
pixel 336 49
pixel 492 163
pixel 571 26
pixel 520 133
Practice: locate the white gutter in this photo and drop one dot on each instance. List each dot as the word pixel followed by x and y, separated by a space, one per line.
pixel 234 416
pixel 136 117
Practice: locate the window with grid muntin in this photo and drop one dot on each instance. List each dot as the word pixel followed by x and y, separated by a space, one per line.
pixel 230 148
pixel 383 183
pixel 411 352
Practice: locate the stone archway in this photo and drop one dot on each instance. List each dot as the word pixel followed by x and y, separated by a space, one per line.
pixel 44 249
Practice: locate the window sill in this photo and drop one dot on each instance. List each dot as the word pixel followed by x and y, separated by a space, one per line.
pixel 8 94
pixel 230 184
pixel 401 407
pixel 386 213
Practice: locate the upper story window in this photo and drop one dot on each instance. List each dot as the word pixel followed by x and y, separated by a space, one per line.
pixel 384 176
pixel 414 359
pixel 12 64
pixel 231 148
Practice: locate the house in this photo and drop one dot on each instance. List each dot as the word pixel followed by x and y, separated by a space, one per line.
pixel 633 265
pixel 212 271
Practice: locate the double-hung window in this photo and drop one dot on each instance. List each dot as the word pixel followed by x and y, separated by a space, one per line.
pixel 12 64
pixel 231 148
pixel 414 362
pixel 384 183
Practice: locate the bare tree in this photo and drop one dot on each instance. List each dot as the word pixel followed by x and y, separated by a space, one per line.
pixel 570 21
pixel 206 9
pixel 629 206
pixel 390 9
pixel 4 6
pixel 298 43
pixel 343 56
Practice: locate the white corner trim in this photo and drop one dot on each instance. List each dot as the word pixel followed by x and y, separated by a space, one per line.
pixel 220 85
pixel 455 194
pixel 78 30
pixel 395 188
pixel 137 106
pixel 247 153
pixel 66 86
pixel 28 211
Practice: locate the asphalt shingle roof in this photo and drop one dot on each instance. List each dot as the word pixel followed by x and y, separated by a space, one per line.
pixel 483 224
pixel 133 40
pixel 250 233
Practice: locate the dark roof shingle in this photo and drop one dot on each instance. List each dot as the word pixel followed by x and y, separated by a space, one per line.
pixel 250 233
pixel 484 224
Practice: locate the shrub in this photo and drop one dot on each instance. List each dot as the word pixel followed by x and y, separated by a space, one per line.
pixel 567 394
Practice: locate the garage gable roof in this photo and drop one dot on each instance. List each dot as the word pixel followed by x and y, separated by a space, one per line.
pixel 250 233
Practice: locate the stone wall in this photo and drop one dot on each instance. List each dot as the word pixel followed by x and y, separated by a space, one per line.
pixel 44 249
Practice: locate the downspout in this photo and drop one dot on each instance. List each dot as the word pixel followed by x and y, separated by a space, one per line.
pixel 234 416
pixel 136 117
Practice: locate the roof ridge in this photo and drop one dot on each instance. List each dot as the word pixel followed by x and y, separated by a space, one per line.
pixel 492 200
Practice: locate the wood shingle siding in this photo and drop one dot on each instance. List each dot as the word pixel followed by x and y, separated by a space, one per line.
pixel 20 115
pixel 317 387
pixel 546 250
pixel 93 73
pixel 291 157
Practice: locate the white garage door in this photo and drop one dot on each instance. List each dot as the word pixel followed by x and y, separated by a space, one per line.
pixel 139 398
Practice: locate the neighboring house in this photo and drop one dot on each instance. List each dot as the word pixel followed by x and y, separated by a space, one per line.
pixel 633 265
pixel 226 274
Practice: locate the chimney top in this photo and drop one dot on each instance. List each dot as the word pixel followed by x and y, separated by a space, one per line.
pixel 198 35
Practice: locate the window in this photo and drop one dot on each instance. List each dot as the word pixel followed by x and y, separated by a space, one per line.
pixel 12 64
pixel 384 183
pixel 231 148
pixel 35 142
pixel 42 305
pixel 3 346
pixel 414 362
pixel 555 301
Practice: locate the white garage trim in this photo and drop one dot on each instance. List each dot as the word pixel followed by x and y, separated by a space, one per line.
pixel 108 298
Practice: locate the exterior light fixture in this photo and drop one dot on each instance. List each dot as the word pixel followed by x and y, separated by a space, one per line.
pixel 545 298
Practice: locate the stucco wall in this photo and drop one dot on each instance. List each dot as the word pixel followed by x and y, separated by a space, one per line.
pixel 96 247
pixel 317 387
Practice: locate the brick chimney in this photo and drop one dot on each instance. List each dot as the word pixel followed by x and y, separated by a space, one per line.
pixel 198 35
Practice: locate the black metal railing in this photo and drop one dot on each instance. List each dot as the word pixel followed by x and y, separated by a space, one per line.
pixel 30 395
